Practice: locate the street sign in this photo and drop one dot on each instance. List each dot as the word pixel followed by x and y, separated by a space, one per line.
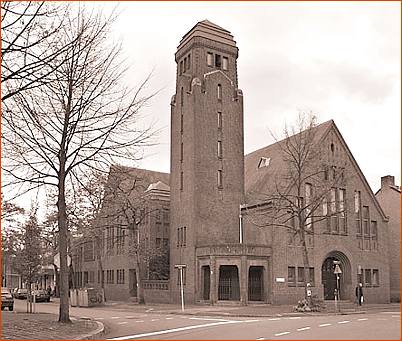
pixel 56 260
pixel 337 269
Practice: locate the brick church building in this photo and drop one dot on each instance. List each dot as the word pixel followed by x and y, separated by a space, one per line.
pixel 218 196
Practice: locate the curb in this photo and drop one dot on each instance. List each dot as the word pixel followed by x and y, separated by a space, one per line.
pixel 94 334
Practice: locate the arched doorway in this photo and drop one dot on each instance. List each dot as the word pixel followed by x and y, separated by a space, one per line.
pixel 328 278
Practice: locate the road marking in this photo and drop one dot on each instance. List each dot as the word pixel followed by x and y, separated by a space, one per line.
pixel 365 319
pixel 167 331
pixel 343 322
pixel 390 312
pixel 148 310
pixel 153 320
pixel 261 338
pixel 304 328
pixel 122 322
pixel 169 318
pixel 207 319
pixel 325 325
pixel 274 319
pixel 248 321
pixel 295 318
pixel 115 317
pixel 130 317
pixel 99 318
pixel 398 316
pixel 283 333
pixel 140 321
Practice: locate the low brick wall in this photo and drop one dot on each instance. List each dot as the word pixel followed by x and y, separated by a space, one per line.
pixel 156 291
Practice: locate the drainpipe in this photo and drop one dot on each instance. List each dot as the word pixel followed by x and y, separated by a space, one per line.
pixel 241 224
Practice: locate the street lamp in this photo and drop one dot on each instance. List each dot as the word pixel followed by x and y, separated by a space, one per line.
pixel 337 272
pixel 181 267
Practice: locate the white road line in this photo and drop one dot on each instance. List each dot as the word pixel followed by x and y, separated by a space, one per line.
pixel 325 325
pixel 343 322
pixel 139 321
pixel 167 331
pixel 274 319
pixel 115 317
pixel 249 321
pixel 169 318
pixel 207 319
pixel 398 316
pixel 283 333
pixel 295 318
pixel 365 319
pixel 99 318
pixel 148 310
pixel 129 317
pixel 304 328
pixel 261 338
pixel 390 312
pixel 122 322
pixel 153 320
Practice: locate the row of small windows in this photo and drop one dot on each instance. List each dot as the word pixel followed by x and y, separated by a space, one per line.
pixel 185 64
pixel 181 236
pixel 366 229
pixel 218 61
pixel 298 280
pixel 333 208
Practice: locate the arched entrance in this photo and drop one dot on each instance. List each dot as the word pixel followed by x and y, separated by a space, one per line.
pixel 328 278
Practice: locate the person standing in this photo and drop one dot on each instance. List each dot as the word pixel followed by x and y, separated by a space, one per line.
pixel 359 294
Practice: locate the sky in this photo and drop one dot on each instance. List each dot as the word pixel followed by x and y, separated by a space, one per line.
pixel 340 60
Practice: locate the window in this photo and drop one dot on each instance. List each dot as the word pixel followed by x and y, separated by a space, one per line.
pixel 220 149
pixel 89 254
pixel 342 212
pixel 91 277
pixel 367 244
pixel 210 59
pixel 110 239
pixel 181 96
pixel 181 236
pixel 219 92
pixel 376 277
pixel 300 276
pixel 181 122
pixel 219 120
pixel 181 152
pixel 185 64
pixel 374 234
pixel 220 180
pixel 120 240
pixel 264 162
pixel 181 68
pixel 291 276
pixel 184 235
pixel 366 227
pixel 367 277
pixel 178 237
pixel 309 192
pixel 357 201
pixel 85 278
pixel 225 63
pixel 120 276
pixel 327 220
pixel 158 242
pixel 110 276
pixel 311 276
pixel 181 181
pixel 188 62
pixel 334 217
pixel 218 60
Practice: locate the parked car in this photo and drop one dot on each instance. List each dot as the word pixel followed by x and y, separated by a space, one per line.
pixel 7 299
pixel 41 295
pixel 21 293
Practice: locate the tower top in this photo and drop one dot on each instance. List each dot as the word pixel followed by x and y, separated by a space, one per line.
pixel 208 30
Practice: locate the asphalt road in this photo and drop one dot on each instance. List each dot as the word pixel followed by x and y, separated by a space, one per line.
pixel 123 324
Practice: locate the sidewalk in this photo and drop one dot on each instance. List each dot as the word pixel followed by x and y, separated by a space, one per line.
pixel 256 310
pixel 40 326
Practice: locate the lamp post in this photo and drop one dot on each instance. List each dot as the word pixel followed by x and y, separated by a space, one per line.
pixel 181 267
pixel 337 272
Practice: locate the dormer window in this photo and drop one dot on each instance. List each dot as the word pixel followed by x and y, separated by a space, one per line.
pixel 264 162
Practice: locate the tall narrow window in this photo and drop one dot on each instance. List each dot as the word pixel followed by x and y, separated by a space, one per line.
pixel 376 277
pixel 366 227
pixel 327 220
pixel 178 237
pixel 219 92
pixel 181 96
pixel 334 217
pixel 300 275
pixel 188 61
pixel 220 149
pixel 181 123
pixel 181 181
pixel 367 277
pixel 358 213
pixel 218 60
pixel 210 59
pixel 181 152
pixel 220 179
pixel 225 63
pixel 219 119
pixel 291 276
pixel 185 64
pixel 184 235
pixel 309 192
pixel 181 68
pixel 342 212
pixel 374 234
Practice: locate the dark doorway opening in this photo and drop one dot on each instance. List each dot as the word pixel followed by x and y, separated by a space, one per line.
pixel 206 280
pixel 255 283
pixel 329 278
pixel 229 288
pixel 132 282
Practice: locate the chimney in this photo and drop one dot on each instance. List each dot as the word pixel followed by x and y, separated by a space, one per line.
pixel 387 181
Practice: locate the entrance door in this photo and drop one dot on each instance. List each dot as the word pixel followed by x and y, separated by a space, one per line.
pixel 132 282
pixel 255 283
pixel 329 278
pixel 206 278
pixel 229 288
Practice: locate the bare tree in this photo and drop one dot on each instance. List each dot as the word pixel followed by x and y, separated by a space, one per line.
pixel 81 119
pixel 304 192
pixel 27 29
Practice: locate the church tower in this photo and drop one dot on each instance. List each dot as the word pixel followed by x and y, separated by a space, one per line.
pixel 207 154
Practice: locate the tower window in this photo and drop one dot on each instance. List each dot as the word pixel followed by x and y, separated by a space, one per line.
pixel 181 96
pixel 210 59
pixel 219 119
pixel 181 152
pixel 225 63
pixel 181 181
pixel 218 60
pixel 181 68
pixel 219 92
pixel 185 64
pixel 220 179
pixel 220 149
pixel 188 62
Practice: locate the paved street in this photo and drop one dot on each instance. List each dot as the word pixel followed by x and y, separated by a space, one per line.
pixel 145 323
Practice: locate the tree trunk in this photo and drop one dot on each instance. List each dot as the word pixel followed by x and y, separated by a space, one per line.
pixel 64 314
pixel 140 291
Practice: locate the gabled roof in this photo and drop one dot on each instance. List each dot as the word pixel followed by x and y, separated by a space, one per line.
pixel 261 181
